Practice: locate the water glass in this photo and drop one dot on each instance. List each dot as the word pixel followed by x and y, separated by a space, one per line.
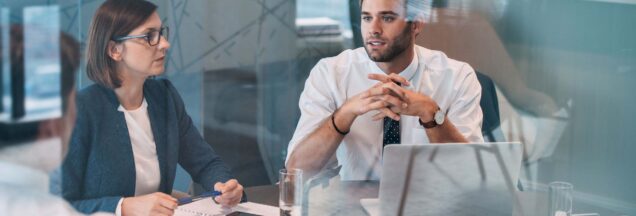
pixel 560 199
pixel 290 191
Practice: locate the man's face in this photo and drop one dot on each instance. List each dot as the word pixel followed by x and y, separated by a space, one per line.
pixel 385 31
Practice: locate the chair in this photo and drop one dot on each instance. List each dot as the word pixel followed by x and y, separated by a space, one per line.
pixel 491 121
pixel 490 108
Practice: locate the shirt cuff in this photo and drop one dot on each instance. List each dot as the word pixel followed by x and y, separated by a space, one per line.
pixel 118 209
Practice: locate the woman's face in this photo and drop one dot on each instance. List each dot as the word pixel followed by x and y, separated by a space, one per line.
pixel 138 59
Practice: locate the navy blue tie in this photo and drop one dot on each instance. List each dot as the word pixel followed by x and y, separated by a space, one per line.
pixel 391 132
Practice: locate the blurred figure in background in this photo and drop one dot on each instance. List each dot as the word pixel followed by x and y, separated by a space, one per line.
pixel 30 150
pixel 462 29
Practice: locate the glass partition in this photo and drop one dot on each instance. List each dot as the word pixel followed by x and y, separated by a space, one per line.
pixel 563 73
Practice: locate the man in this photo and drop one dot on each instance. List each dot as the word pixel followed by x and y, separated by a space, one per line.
pixel 28 151
pixel 420 96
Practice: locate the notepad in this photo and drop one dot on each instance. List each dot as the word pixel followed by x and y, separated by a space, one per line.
pixel 207 207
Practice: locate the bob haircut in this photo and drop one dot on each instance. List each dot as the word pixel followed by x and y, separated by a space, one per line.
pixel 113 18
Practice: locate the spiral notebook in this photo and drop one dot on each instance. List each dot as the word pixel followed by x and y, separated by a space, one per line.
pixel 207 207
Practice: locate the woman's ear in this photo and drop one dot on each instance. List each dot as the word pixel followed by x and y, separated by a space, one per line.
pixel 115 50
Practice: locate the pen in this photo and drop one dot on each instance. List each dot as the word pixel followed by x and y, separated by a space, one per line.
pixel 204 195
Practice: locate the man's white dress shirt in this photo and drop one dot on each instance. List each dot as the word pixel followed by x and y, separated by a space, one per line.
pixel 24 189
pixel 452 84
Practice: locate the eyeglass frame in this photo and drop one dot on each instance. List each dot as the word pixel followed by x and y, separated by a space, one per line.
pixel 146 36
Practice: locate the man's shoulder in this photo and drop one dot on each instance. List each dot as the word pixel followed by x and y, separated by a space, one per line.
pixel 31 202
pixel 438 61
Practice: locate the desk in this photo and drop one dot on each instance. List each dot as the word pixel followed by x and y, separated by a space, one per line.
pixel 344 197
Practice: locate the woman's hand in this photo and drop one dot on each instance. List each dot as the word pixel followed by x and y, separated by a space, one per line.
pixel 151 204
pixel 231 193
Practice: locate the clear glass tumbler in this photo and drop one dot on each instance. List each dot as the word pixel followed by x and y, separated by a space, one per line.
pixel 560 199
pixel 290 191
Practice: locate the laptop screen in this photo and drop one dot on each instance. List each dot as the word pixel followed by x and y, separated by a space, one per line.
pixel 450 179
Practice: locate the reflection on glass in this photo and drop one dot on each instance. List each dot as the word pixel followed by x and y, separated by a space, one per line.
pixel 42 63
pixel 542 55
pixel 5 93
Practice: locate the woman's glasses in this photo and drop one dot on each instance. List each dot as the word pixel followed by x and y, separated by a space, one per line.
pixel 153 37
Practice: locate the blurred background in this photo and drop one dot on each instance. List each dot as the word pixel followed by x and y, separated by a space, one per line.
pixel 564 71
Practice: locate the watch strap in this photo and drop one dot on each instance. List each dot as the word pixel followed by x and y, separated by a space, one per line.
pixel 432 123
pixel 427 125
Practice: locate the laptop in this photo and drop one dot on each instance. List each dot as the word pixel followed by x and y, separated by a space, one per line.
pixel 448 179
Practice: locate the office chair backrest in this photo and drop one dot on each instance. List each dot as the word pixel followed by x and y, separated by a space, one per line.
pixel 489 106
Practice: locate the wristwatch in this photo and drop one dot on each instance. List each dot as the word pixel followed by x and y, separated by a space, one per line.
pixel 438 119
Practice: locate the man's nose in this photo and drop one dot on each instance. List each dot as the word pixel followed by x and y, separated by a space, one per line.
pixel 375 28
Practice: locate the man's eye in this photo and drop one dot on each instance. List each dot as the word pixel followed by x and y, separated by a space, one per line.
pixel 366 18
pixel 388 18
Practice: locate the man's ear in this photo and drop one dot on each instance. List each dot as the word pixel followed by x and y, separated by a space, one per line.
pixel 416 27
pixel 115 50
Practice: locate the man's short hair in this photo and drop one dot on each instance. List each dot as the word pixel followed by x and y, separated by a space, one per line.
pixel 415 9
pixel 114 18
pixel 14 133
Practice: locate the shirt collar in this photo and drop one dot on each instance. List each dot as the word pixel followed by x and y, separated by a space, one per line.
pixel 408 73
pixel 144 105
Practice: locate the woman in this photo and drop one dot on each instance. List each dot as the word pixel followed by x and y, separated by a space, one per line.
pixel 132 130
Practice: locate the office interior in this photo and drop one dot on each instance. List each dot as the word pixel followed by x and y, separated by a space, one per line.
pixel 563 74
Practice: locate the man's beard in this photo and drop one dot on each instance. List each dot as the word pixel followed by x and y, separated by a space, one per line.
pixel 399 45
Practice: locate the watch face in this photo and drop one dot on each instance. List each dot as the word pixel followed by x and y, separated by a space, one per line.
pixel 439 117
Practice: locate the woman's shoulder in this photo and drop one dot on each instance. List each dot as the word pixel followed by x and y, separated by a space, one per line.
pixel 158 83
pixel 92 92
pixel 95 95
pixel 157 90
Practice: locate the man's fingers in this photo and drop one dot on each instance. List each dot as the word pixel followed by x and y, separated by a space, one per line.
pixel 374 106
pixel 399 79
pixel 394 103
pixel 379 77
pixel 389 78
pixel 395 89
pixel 375 91
pixel 390 114
pixel 378 116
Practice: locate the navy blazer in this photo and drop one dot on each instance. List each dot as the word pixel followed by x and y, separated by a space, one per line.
pixel 100 169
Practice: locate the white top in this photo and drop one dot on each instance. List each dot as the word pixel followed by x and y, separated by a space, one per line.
pixel 452 84
pixel 25 192
pixel 147 174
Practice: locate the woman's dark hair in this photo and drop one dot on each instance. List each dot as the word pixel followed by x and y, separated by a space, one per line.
pixel 113 18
